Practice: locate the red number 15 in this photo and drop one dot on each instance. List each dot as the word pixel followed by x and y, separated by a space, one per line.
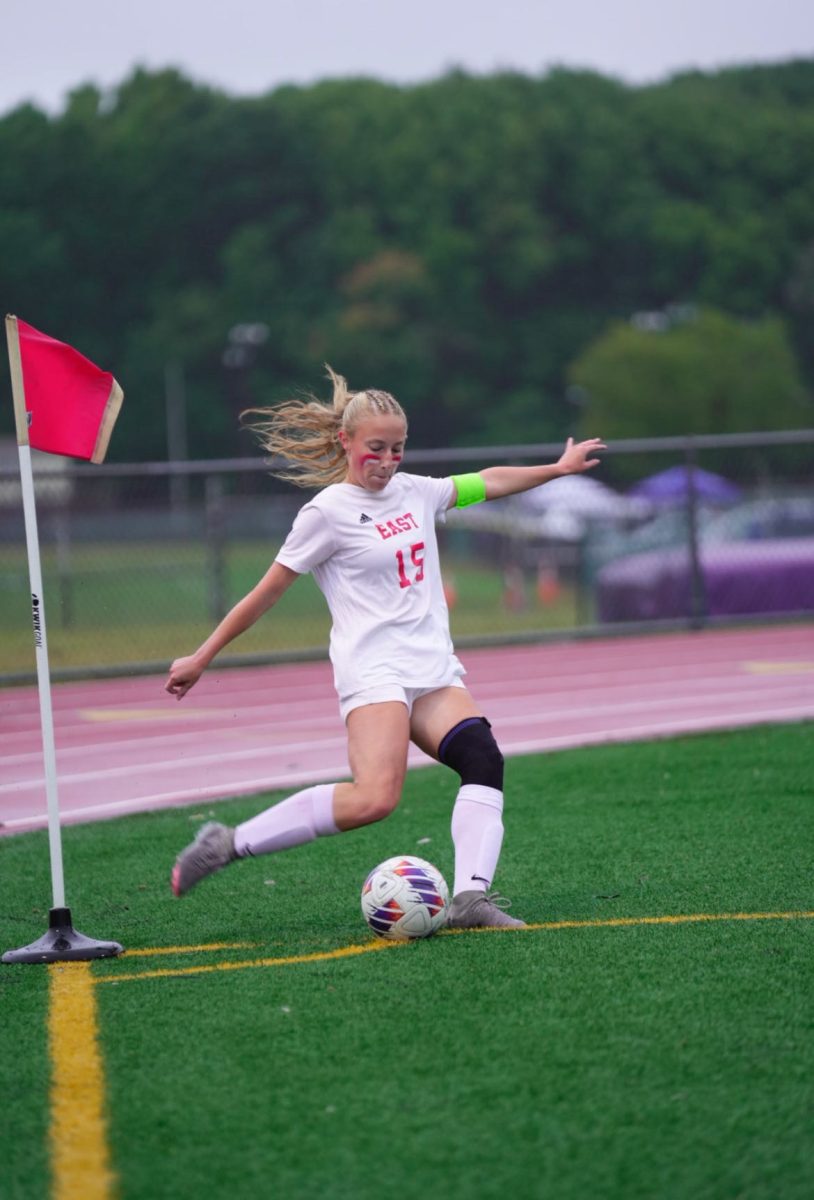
pixel 418 562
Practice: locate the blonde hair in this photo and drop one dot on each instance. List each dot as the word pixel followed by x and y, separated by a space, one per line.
pixel 306 432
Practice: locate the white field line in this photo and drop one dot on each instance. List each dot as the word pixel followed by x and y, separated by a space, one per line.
pixel 262 719
pixel 244 787
pixel 138 804
pixel 723 701
pixel 679 725
pixel 524 668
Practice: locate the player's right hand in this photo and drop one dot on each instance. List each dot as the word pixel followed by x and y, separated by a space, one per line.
pixel 184 672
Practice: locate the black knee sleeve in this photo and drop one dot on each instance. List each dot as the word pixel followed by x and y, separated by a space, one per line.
pixel 470 749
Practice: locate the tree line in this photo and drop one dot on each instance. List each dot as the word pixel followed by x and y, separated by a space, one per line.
pixel 515 257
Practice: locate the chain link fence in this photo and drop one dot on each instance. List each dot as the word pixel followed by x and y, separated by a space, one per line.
pixel 140 561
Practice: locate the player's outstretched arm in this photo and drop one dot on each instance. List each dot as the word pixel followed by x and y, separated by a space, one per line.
pixel 575 458
pixel 186 671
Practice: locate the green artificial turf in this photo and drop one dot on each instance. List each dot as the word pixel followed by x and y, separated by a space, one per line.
pixel 651 1060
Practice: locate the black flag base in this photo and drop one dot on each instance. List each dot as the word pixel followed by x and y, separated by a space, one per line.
pixel 62 943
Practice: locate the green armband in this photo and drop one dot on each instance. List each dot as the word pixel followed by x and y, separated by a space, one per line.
pixel 471 489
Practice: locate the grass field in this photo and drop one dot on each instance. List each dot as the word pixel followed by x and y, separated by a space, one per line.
pixel 598 1053
pixel 149 602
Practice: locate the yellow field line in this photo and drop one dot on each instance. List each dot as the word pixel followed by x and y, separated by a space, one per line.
pixel 678 919
pixel 778 668
pixel 80 1162
pixel 149 951
pixel 80 1168
pixel 365 948
pixel 320 956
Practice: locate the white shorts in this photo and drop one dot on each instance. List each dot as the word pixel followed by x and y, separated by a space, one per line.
pixel 385 692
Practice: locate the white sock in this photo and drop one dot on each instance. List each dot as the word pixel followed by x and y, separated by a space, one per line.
pixel 477 833
pixel 299 819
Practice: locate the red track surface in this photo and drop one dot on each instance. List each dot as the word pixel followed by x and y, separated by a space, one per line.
pixel 126 746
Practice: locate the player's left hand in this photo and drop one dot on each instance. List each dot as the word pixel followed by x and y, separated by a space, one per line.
pixel 575 456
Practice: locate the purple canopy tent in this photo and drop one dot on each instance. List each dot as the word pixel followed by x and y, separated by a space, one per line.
pixel 673 487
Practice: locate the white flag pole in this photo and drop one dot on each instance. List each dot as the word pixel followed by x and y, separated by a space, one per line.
pixel 61 942
pixel 37 612
pixel 43 677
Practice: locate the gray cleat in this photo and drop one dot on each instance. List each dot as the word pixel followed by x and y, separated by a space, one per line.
pixel 481 910
pixel 213 848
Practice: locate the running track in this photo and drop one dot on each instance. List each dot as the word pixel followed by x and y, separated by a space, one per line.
pixel 126 746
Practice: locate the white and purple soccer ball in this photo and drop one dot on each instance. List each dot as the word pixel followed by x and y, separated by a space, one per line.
pixel 405 897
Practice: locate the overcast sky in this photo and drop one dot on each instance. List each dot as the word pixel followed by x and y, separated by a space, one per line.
pixel 247 47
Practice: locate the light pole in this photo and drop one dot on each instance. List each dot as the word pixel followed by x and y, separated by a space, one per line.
pixel 243 342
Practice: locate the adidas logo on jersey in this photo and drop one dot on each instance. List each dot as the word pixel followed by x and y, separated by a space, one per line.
pixel 363 520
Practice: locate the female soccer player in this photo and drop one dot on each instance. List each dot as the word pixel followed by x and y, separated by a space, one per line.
pixel 369 539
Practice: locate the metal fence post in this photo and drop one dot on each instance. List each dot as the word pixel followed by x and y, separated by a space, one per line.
pixel 698 592
pixel 216 545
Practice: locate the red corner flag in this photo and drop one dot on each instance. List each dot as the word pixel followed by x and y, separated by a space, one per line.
pixel 66 404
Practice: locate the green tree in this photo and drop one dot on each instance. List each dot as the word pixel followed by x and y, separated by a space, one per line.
pixel 710 374
pixel 460 242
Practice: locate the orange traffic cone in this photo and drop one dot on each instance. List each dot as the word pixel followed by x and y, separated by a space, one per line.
pixel 548 586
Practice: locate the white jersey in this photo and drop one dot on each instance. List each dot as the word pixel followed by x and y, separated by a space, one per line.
pixel 374 555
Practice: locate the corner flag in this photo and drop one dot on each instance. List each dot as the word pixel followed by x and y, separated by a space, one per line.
pixel 70 405
pixel 63 404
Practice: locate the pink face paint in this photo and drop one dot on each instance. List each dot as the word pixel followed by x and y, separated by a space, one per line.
pixel 371 458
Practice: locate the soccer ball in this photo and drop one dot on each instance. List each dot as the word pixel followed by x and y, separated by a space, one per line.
pixel 405 897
